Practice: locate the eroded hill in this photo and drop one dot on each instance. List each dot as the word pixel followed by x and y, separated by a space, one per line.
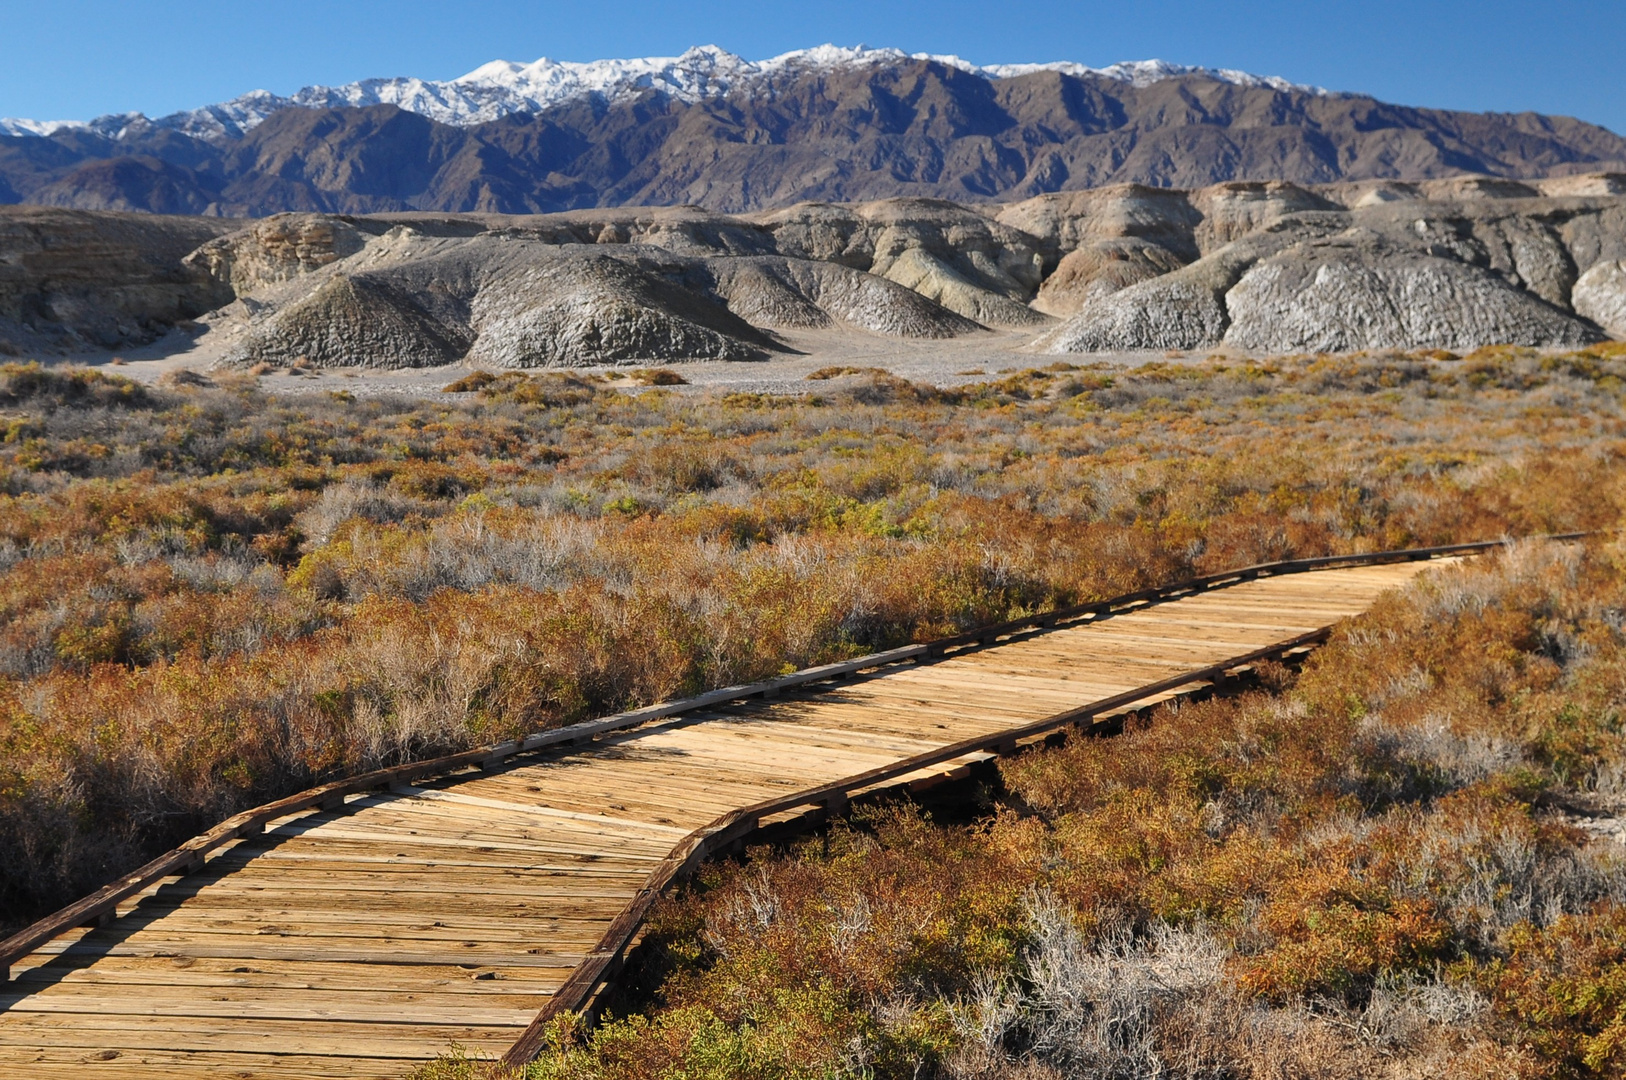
pixel 1260 267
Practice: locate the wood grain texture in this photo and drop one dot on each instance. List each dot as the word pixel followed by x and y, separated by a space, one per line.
pixel 463 904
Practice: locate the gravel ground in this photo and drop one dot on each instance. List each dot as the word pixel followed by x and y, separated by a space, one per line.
pixel 950 362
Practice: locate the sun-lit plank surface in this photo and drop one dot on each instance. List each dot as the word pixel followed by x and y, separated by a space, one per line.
pixel 360 941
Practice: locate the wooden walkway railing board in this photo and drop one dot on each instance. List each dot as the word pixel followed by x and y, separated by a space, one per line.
pixel 359 939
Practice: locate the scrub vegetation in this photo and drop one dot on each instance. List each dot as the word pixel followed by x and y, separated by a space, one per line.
pixel 213 597
pixel 1403 862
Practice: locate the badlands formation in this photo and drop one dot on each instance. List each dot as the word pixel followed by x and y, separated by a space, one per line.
pixel 1255 267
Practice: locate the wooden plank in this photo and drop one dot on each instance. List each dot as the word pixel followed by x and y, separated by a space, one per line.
pixel 310 1005
pixel 333 855
pixel 77 1063
pixel 354 1039
pixel 249 950
pixel 71 971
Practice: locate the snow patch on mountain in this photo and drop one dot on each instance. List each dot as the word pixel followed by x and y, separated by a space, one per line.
pixel 11 125
pixel 1147 72
pixel 502 87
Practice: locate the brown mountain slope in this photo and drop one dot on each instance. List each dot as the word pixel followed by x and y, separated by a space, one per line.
pixel 914 128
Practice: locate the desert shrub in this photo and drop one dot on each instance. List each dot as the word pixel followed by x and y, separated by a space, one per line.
pixel 549 389
pixel 685 468
pixel 883 388
pixel 836 371
pixel 659 377
pixel 646 545
pixel 474 380
pixel 1561 990
pixel 36 387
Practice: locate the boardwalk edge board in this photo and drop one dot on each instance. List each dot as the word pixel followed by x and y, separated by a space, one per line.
pixel 101 906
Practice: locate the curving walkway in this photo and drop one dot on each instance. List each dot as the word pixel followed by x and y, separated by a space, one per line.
pixel 359 940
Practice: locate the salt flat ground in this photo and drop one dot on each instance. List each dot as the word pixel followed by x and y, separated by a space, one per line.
pixel 947 362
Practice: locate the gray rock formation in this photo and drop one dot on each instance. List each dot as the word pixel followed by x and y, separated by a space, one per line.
pixel 1182 309
pixel 1451 263
pixel 961 258
pixel 579 309
pixel 1263 267
pixel 1093 272
pixel 277 249
pixel 1339 299
pixel 620 286
pixel 1170 312
pixel 1600 295
pixel 791 294
pixel 420 302
pixel 1165 217
pixel 350 321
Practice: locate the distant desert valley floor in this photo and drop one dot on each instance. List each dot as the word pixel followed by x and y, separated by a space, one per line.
pixel 818 355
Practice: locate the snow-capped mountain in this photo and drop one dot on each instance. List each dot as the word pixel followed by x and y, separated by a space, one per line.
pixel 801 127
pixel 503 87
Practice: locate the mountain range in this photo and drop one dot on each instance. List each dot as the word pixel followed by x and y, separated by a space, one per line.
pixel 714 130
pixel 503 87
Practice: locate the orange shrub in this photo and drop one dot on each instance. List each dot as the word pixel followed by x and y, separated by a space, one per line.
pixel 212 596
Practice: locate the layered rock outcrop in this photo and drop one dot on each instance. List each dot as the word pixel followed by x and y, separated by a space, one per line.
pixel 277 249
pixel 72 280
pixel 794 294
pixel 665 287
pixel 1339 299
pixel 575 309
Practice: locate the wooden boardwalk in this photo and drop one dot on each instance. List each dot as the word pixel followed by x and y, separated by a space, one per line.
pixel 360 940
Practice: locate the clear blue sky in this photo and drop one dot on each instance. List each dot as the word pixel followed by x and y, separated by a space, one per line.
pixel 73 59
